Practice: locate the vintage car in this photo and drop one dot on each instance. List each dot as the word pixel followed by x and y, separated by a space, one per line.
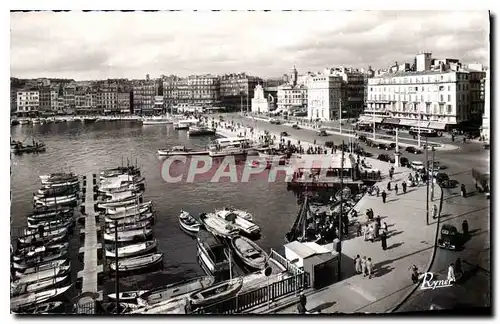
pixel 451 238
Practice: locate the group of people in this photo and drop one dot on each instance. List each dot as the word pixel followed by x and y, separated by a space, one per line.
pixel 374 230
pixel 363 266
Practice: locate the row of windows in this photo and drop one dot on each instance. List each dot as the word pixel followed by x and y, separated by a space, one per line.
pixel 420 79
pixel 442 98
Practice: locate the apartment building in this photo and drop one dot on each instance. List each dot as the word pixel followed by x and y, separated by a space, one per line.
pixel 158 105
pixel 123 102
pixel 28 102
pixel 204 90
pixel 439 95
pixel 48 100
pixel 324 95
pixel 108 100
pixel 69 98
pixel 237 90
pixel 143 95
pixel 292 97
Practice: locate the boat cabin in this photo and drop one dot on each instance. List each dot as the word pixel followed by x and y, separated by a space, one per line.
pixel 211 254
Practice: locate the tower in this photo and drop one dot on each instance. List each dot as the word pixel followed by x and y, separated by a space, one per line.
pixel 294 76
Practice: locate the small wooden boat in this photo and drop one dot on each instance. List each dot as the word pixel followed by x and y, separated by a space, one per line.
pixel 123 308
pixel 35 219
pixel 130 236
pixel 133 250
pixel 156 120
pixel 188 224
pixel 129 212
pixel 201 131
pixel 177 289
pixel 62 183
pixel 228 151
pixel 117 210
pixel 36 286
pixel 113 172
pixel 128 296
pixel 56 201
pixel 124 200
pixel 239 212
pixel 249 252
pixel 46 239
pixel 245 226
pixel 50 225
pixel 134 220
pixel 181 150
pixel 42 275
pixel 218 226
pixel 51 265
pixel 33 299
pixel 170 306
pixel 39 260
pixel 138 263
pixel 57 177
pixel 133 225
pixel 45 308
pixel 57 191
pixel 33 251
pixel 47 231
pixel 216 293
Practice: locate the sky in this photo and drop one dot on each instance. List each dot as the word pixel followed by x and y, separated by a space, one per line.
pixel 100 45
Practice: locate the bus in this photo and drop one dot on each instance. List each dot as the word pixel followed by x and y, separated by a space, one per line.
pixel 425 132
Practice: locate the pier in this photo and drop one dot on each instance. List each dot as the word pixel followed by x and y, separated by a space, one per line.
pixel 91 269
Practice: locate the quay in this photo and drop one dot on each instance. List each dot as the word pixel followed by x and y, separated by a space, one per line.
pixel 91 269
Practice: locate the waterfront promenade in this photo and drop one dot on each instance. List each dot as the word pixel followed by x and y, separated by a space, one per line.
pixel 410 242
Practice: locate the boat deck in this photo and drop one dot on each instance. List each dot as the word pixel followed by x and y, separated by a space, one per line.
pixel 90 268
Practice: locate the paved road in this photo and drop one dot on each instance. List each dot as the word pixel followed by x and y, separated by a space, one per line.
pixel 475 291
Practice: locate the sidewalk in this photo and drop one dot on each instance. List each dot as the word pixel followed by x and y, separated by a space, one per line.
pixel 410 242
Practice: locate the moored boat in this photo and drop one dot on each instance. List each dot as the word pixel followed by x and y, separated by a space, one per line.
pixel 201 131
pixel 132 250
pixel 177 289
pixel 218 226
pixel 49 265
pixel 42 275
pixel 228 151
pixel 216 293
pixel 36 286
pixel 156 120
pixel 211 253
pixel 45 308
pixel 249 252
pixel 33 299
pixel 129 236
pixel 128 296
pixel 188 223
pixel 181 150
pixel 245 226
pixel 138 263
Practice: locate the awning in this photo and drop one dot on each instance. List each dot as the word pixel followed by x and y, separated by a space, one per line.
pixel 393 121
pixel 411 123
pixel 369 119
pixel 437 125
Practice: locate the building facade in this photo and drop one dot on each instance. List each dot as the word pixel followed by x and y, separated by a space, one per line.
pixel 237 90
pixel 143 97
pixel 486 121
pixel 260 103
pixel 292 97
pixel 324 97
pixel 123 102
pixel 158 106
pixel 28 102
pixel 204 90
pixel 108 100
pixel 69 98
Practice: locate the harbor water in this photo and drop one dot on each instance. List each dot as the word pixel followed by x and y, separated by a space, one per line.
pixel 87 148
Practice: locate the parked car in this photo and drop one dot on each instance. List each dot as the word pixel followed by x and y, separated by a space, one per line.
pixel 382 146
pixel 404 161
pixel 370 143
pixel 393 146
pixel 414 150
pixel 437 165
pixel 441 177
pixel 362 138
pixel 417 165
pixel 385 158
pixel 295 126
pixel 362 152
pixel 273 121
pixel 322 133
pixel 283 134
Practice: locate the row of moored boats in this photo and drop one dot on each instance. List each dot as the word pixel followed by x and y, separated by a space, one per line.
pixel 40 267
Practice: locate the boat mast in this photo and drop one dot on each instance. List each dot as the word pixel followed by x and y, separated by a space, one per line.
pixel 117 284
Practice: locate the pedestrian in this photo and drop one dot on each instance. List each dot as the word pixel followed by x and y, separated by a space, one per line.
pixel 463 191
pixel 377 190
pixel 383 239
pixel 301 306
pixel 359 230
pixel 434 211
pixel 396 188
pixel 458 267
pixel 384 228
pixel 376 228
pixel 357 264
pixel 377 220
pixel 384 196
pixel 365 232
pixel 390 174
pixel 369 267
pixel 389 186
pixel 414 274
pixel 370 233
pixel 404 186
pixel 451 273
pixel 363 266
pixel 465 228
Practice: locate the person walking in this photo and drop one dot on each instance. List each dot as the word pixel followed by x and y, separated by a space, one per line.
pixel 357 264
pixel 370 233
pixel 301 306
pixel 451 273
pixel 384 196
pixel 363 266
pixel 377 220
pixel 465 228
pixel 463 191
pixel 365 232
pixel 389 186
pixel 384 228
pixel 434 211
pixel 383 240
pixel 369 267
pixel 377 190
pixel 404 186
pixel 359 230
pixel 458 267
pixel 414 274
pixel 396 188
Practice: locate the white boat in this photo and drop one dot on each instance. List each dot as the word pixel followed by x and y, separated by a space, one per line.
pixel 239 212
pixel 55 230
pixel 125 186
pixel 156 120
pixel 24 121
pixel 35 121
pixel 129 236
pixel 131 220
pixel 218 226
pixel 138 263
pixel 230 141
pixel 57 177
pixel 249 252
pixel 33 251
pixel 42 275
pixel 211 253
pixel 33 299
pixel 188 223
pixel 128 296
pixel 63 222
pixel 171 306
pixel 201 130
pixel 184 124
pixel 177 289
pixel 125 200
pixel 20 289
pixel 53 201
pixel 51 265
pixel 46 237
pixel 118 210
pixel 130 212
pixel 181 150
pixel 216 293
pixel 242 224
pixel 227 151
pixel 129 224
pixel 132 250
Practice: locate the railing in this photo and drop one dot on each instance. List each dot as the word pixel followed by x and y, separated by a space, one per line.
pixel 285 263
pixel 256 297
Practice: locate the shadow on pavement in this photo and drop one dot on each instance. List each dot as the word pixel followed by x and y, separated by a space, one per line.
pixel 395 245
pixel 321 307
pixel 380 271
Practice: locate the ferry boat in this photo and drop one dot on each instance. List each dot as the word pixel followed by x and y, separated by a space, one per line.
pixel 180 150
pixel 156 120
pixel 185 124
pixel 211 254
pixel 200 131
pixel 228 151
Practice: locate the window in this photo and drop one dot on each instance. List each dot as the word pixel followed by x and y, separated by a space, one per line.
pixel 448 109
pixel 449 98
pixel 441 97
pixel 449 88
